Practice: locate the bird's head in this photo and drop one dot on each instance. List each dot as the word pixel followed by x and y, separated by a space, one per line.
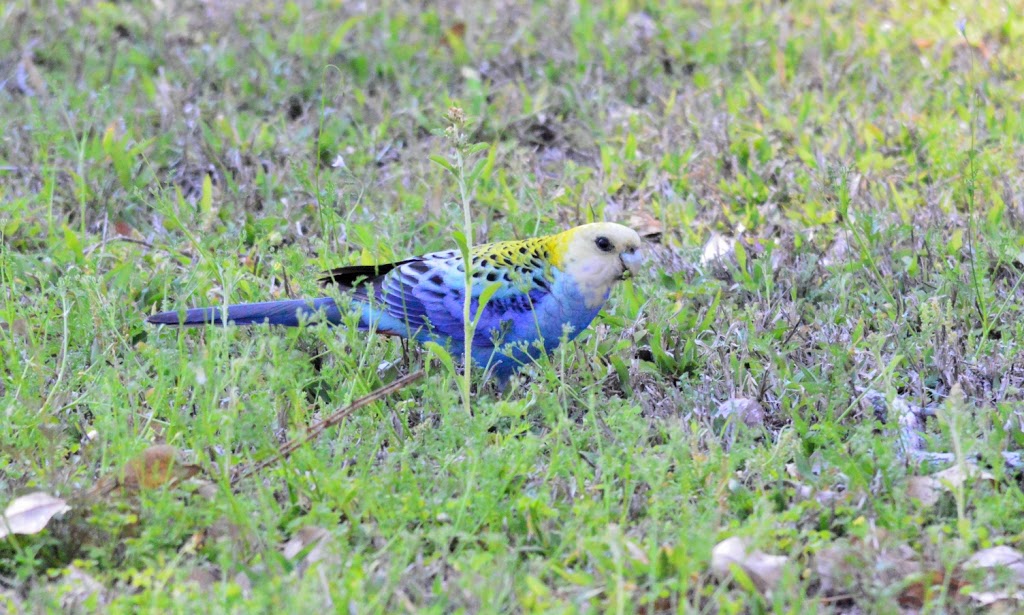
pixel 597 255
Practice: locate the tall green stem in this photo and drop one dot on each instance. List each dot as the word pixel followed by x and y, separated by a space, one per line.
pixel 456 134
pixel 467 302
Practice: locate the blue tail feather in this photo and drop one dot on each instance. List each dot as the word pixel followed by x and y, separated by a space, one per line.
pixel 283 313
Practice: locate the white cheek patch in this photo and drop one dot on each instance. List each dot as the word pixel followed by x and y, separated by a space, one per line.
pixel 592 269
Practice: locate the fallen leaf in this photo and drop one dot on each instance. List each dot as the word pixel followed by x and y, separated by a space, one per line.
pixel 996 559
pixel 997 602
pixel 960 473
pixel 308 543
pixel 914 594
pixel 157 466
pixel 717 250
pixel 929 489
pixel 924 489
pixel 123 229
pixel 636 553
pixel 29 514
pixel 764 570
pixel 302 539
pixel 647 226
pixel 999 558
pixel 745 410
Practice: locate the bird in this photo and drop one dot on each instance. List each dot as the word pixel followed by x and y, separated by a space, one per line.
pixel 536 292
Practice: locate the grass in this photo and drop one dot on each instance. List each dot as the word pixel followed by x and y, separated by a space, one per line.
pixel 866 157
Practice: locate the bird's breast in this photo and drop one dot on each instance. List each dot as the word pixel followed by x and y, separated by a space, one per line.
pixel 576 306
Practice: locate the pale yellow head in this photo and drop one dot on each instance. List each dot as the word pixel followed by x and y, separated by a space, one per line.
pixel 596 256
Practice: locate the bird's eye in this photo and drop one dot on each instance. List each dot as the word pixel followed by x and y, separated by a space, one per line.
pixel 604 244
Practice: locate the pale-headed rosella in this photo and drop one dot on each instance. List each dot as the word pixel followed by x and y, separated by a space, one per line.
pixel 549 289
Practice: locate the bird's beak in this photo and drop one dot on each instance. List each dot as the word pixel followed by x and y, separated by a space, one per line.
pixel 631 260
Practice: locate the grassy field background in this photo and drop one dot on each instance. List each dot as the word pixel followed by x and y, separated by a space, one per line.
pixel 832 197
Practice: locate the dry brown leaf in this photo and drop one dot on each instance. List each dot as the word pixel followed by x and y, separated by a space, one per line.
pixel 29 514
pixel 764 570
pixel 123 229
pixel 310 544
pixel 647 226
pixel 636 553
pixel 914 595
pixel 157 466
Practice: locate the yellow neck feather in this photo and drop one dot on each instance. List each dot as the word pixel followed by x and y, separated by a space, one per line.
pixel 549 249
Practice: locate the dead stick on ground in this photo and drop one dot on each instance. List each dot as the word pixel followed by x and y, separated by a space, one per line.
pixel 289 447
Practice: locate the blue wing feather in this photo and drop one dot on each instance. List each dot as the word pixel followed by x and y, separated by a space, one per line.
pixel 287 313
pixel 424 299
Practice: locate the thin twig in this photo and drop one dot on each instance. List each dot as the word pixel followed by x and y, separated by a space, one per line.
pixel 290 446
pixel 107 240
pixel 140 242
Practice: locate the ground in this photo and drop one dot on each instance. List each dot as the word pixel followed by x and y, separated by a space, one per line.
pixel 831 198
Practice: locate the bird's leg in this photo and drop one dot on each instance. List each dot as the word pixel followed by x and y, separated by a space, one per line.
pixel 406 359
